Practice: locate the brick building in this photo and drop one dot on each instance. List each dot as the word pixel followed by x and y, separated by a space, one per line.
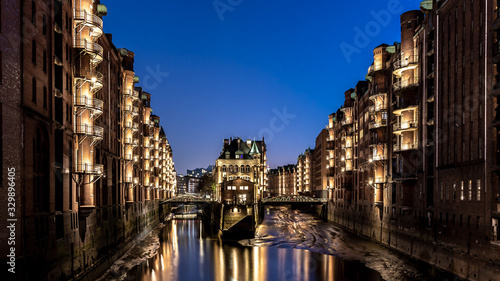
pixel 413 149
pixel 242 159
pixel 91 161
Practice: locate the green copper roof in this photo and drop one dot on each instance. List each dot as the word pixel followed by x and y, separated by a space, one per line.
pixel 391 49
pixel 102 10
pixel 254 149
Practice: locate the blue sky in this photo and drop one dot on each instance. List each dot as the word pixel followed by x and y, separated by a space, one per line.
pixel 217 69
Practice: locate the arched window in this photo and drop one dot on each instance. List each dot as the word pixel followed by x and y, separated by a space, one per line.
pixel 224 168
pixel 248 169
pixel 230 168
pixel 41 164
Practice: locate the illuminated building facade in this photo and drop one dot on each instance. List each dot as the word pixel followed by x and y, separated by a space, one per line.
pixel 242 159
pixel 413 150
pixel 81 177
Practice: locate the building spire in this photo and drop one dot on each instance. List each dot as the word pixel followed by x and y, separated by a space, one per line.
pixel 254 149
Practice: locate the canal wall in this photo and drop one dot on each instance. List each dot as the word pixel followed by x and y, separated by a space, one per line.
pixel 473 263
pixel 96 241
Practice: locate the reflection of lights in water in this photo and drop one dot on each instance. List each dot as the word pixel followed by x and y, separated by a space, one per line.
pixel 247 263
pixel 255 262
pixel 234 257
pixel 162 264
pixel 153 277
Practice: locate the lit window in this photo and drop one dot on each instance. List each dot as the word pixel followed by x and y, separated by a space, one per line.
pixel 478 198
pixel 470 190
pixel 246 187
pixel 454 191
pixel 462 195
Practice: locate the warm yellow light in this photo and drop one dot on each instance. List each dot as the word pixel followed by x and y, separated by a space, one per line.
pixel 94 79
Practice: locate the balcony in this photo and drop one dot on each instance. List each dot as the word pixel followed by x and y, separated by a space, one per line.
pixel 131 142
pixel 377 157
pixel 94 49
pixel 404 64
pixel 409 125
pixel 93 104
pixel 131 109
pixel 346 122
pixel 92 131
pixel 374 141
pixel 376 93
pixel 377 124
pixel 90 76
pixel 131 94
pixel 89 19
pixel 330 145
pixel 405 147
pixel 89 168
pixel 376 180
pixel 378 107
pixel 374 68
pixel 405 84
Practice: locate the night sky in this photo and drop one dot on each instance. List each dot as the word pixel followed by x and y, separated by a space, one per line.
pixel 248 68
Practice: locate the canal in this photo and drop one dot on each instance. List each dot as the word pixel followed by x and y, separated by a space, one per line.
pixel 289 245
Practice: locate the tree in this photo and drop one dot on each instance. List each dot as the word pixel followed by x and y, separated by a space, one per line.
pixel 207 184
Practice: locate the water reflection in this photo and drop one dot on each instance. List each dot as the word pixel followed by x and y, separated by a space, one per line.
pixel 187 253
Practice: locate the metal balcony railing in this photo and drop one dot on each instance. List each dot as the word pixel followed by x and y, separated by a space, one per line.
pixel 378 107
pixel 89 47
pixel 374 67
pixel 405 146
pixel 88 102
pixel 131 93
pixel 91 76
pixel 405 61
pixel 88 18
pixel 347 121
pixel 404 84
pixel 89 168
pixel 378 157
pixel 94 131
pixel 405 125
pixel 377 124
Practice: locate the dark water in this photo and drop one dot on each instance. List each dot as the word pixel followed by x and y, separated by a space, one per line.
pixel 186 254
pixel 289 245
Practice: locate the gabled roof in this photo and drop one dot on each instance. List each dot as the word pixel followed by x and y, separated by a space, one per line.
pixel 234 147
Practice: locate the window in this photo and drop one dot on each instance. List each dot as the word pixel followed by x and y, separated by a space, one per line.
pixel 44 23
pixel 33 13
pixel 246 187
pixel 454 191
pixel 33 90
pixel 478 196
pixel 441 191
pixel 230 168
pixel 33 52
pixel 224 168
pixel 45 97
pixel 447 190
pixel 248 169
pixel 44 62
pixel 470 190
pixel 462 195
pixel 241 187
